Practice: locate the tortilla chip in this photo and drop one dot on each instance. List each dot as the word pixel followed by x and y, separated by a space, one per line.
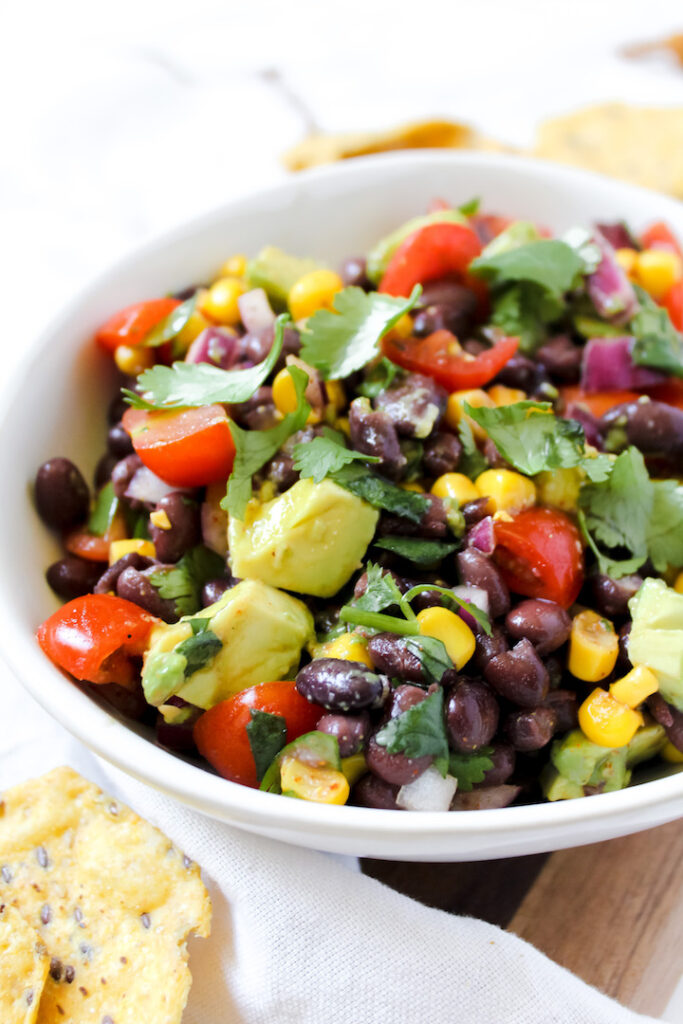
pixel 638 144
pixel 24 964
pixel 111 898
pixel 325 149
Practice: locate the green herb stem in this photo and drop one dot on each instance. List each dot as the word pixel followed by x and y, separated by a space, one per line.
pixel 375 620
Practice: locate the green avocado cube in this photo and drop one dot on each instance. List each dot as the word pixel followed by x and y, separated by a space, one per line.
pixel 276 272
pixel 556 787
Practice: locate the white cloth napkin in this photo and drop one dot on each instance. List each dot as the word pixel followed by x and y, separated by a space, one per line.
pixel 298 938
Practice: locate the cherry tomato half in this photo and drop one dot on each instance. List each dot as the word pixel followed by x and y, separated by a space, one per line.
pixel 130 325
pixel 660 236
pixel 91 546
pixel 221 733
pixel 600 402
pixel 673 303
pixel 440 356
pixel 94 638
pixel 540 554
pixel 185 447
pixel 437 250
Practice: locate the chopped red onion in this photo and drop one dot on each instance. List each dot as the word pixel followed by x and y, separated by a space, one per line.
pixel 475 596
pixel 607 365
pixel 609 288
pixel 482 536
pixel 589 422
pixel 149 488
pixel 255 311
pixel 218 346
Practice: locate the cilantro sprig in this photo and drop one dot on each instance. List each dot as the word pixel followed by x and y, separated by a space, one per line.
pixel 657 342
pixel 183 583
pixel 267 735
pixel 324 456
pixel 418 732
pixel 469 769
pixel 170 327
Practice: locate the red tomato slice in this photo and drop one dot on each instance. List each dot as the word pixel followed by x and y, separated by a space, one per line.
pixel 221 733
pixel 437 250
pixel 660 236
pixel 673 303
pixel 540 554
pixel 187 447
pixel 130 325
pixel 439 356
pixel 94 638
pixel 489 225
pixel 92 547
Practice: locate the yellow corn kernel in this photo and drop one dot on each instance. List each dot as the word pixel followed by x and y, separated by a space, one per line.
pixel 119 548
pixel 347 647
pixel 284 392
pixel 196 323
pixel 657 270
pixel 449 628
pixel 133 361
pixel 678 583
pixel 635 686
pixel 235 266
pixel 559 488
pixel 627 259
pixel 671 753
pixel 606 721
pixel 336 396
pixel 354 768
pixel 509 491
pixel 455 485
pixel 220 302
pixel 321 785
pixel 454 409
pixel 593 647
pixel 412 485
pixel 160 519
pixel 342 423
pixel 315 290
pixel 402 329
pixel 500 395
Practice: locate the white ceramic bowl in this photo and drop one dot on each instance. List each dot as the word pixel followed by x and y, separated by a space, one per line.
pixel 57 408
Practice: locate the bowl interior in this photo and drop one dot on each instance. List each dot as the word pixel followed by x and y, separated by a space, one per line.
pixel 57 406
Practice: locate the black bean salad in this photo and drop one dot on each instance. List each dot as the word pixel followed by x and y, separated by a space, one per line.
pixel 409 535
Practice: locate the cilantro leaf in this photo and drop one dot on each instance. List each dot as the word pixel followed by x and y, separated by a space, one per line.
pixel 380 493
pixel 471 207
pixel 658 344
pixel 480 616
pixel 339 343
pixel 526 311
pixel 432 655
pixel 194 384
pixel 472 462
pixel 616 513
pixel 470 768
pixel 168 328
pixel 183 583
pixel 665 528
pixel 267 734
pixel 199 649
pixel 549 263
pixel 416 549
pixel 418 732
pixel 381 590
pixel 106 507
pixel 532 439
pixel 325 455
pixel 253 448
pixel 379 378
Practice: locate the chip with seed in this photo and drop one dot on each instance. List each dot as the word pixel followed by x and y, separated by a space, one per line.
pixel 24 964
pixel 111 899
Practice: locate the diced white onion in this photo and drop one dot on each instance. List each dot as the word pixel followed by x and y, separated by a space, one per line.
pixel 429 792
pixel 475 595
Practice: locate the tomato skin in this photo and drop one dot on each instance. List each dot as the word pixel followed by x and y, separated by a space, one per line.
pixel 185 447
pixel 130 325
pixel 93 637
pixel 431 356
pixel 600 402
pixel 673 303
pixel 91 546
pixel 437 250
pixel 660 236
pixel 540 554
pixel 221 733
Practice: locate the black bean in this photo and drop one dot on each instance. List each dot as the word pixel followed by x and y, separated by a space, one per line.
pixel 612 596
pixel 402 698
pixel 445 304
pixel 135 586
pixel 471 716
pixel 176 737
pixel 280 471
pixel 654 427
pixel 258 412
pixel 493 456
pixel 476 510
pixel 128 702
pixel 373 433
pixel 123 472
pixel 185 531
pixel 391 657
pixel 415 406
pixel 624 661
pixel 213 590
pixel 489 646
pixel 530 730
pixel 119 442
pixel 476 569
pixel 72 577
pixel 109 578
pixel 503 758
pixel 561 358
pixel 351 731
pixel 674 732
pixel 565 705
pixel 62 495
pixel 291 346
pixel 543 622
pixel 519 372
pixel 103 470
pixel 371 791
pixel 354 273
pixel 340 685
pixel 519 675
pixel 396 769
pixel 485 798
pixel 433 523
pixel 116 409
pixel 442 453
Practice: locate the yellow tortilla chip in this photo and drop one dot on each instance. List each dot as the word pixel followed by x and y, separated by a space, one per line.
pixel 24 964
pixel 638 144
pixel 111 898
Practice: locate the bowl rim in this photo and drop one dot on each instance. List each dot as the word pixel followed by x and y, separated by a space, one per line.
pixel 196 786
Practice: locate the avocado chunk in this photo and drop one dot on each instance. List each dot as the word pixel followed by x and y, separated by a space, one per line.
pixel 646 743
pixel 253 634
pixel 579 760
pixel 517 234
pixel 276 272
pixel 310 539
pixel 556 787
pixel 656 637
pixel 378 257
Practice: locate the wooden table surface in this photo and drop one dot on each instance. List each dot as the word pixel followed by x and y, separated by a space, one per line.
pixel 611 912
